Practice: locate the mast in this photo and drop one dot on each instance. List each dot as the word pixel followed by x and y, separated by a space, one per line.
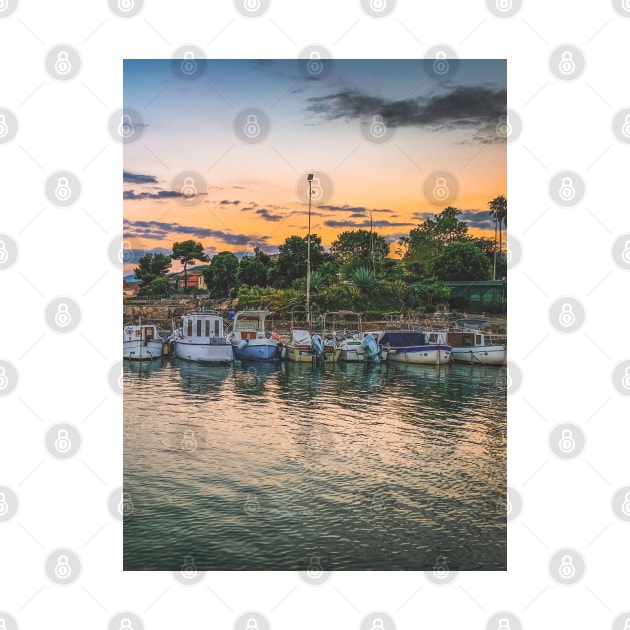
pixel 308 255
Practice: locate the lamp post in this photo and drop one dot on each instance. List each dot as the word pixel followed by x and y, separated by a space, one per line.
pixel 309 178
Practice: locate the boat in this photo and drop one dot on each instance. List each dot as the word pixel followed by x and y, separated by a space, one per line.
pixel 346 329
pixel 199 336
pixel 304 346
pixel 249 339
pixel 143 343
pixel 415 346
pixel 475 347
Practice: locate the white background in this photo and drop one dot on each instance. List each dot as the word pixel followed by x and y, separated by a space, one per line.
pixel 63 378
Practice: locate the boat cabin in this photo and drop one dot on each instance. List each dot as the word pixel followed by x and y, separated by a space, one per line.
pixel 202 326
pixel 250 325
pixel 146 333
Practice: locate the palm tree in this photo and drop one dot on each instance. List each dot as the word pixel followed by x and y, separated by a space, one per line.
pixel 498 210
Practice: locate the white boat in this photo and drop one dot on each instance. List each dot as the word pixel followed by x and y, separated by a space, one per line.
pixel 249 339
pixel 412 346
pixel 472 346
pixel 356 346
pixel 199 336
pixel 142 342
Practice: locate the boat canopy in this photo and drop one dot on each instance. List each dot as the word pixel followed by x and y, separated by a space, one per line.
pixel 472 322
pixel 402 339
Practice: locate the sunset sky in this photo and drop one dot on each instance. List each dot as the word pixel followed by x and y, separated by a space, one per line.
pixel 251 190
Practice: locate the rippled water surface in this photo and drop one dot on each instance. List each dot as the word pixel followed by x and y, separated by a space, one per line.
pixel 264 466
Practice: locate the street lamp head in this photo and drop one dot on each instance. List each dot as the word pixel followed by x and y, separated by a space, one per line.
pixel 309 177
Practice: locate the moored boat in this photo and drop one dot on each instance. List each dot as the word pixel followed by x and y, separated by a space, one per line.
pixel 346 329
pixel 249 339
pixel 199 336
pixel 142 342
pixel 426 347
pixel 475 347
pixel 305 346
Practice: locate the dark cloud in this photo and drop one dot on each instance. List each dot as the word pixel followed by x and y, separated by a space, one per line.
pixel 268 216
pixel 480 219
pixel 365 224
pixel 355 209
pixel 162 194
pixel 477 107
pixel 134 178
pixel 226 202
pixel 156 230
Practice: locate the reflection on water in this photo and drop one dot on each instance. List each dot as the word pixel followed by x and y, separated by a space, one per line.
pixel 264 465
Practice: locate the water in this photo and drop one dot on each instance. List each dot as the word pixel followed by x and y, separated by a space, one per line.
pixel 263 466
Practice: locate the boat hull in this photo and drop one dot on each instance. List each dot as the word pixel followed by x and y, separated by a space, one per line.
pixel 203 353
pixel 480 355
pixel 302 354
pixel 138 350
pixel 427 355
pixel 257 350
pixel 352 353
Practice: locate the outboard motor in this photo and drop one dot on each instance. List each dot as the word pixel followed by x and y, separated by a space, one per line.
pixel 318 347
pixel 372 351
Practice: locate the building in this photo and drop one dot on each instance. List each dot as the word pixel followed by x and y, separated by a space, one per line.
pixel 474 296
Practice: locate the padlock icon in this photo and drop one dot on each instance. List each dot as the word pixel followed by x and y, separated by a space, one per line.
pixel 625 381
pixel 625 255
pixel 189 65
pixel 4 254
pixel 377 624
pixel 63 65
pixel 567 190
pixel 63 190
pixel 626 625
pixel 4 129
pixel 63 570
pixel 378 5
pixel 567 442
pixel 3 7
pixel 252 624
pixel 189 189
pixel 4 506
pixel 504 5
pixel 440 190
pixel 315 569
pixel 62 316
pixel 125 129
pixel 252 127
pixel 125 254
pixel 125 505
pixel 4 381
pixel 316 189
pixel 567 568
pixel 440 65
pixel 625 506
pixel 504 624
pixel 315 64
pixel 189 443
pixel 567 64
pixel 63 443
pixel 626 7
pixel 121 381
pixel 125 5
pixel 125 624
pixel 252 5
pixel 377 128
pixel 504 129
pixel 251 505
pixel 189 570
pixel 508 504
pixel 567 316
pixel 440 570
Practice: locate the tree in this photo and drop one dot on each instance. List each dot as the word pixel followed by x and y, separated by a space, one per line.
pixel 364 279
pixel 359 244
pixel 498 209
pixel 220 276
pixel 252 270
pixel 186 252
pixel 462 261
pixel 150 267
pixel 161 286
pixel 426 242
pixel 292 258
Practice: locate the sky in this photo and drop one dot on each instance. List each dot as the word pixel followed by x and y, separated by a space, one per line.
pixel 220 152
